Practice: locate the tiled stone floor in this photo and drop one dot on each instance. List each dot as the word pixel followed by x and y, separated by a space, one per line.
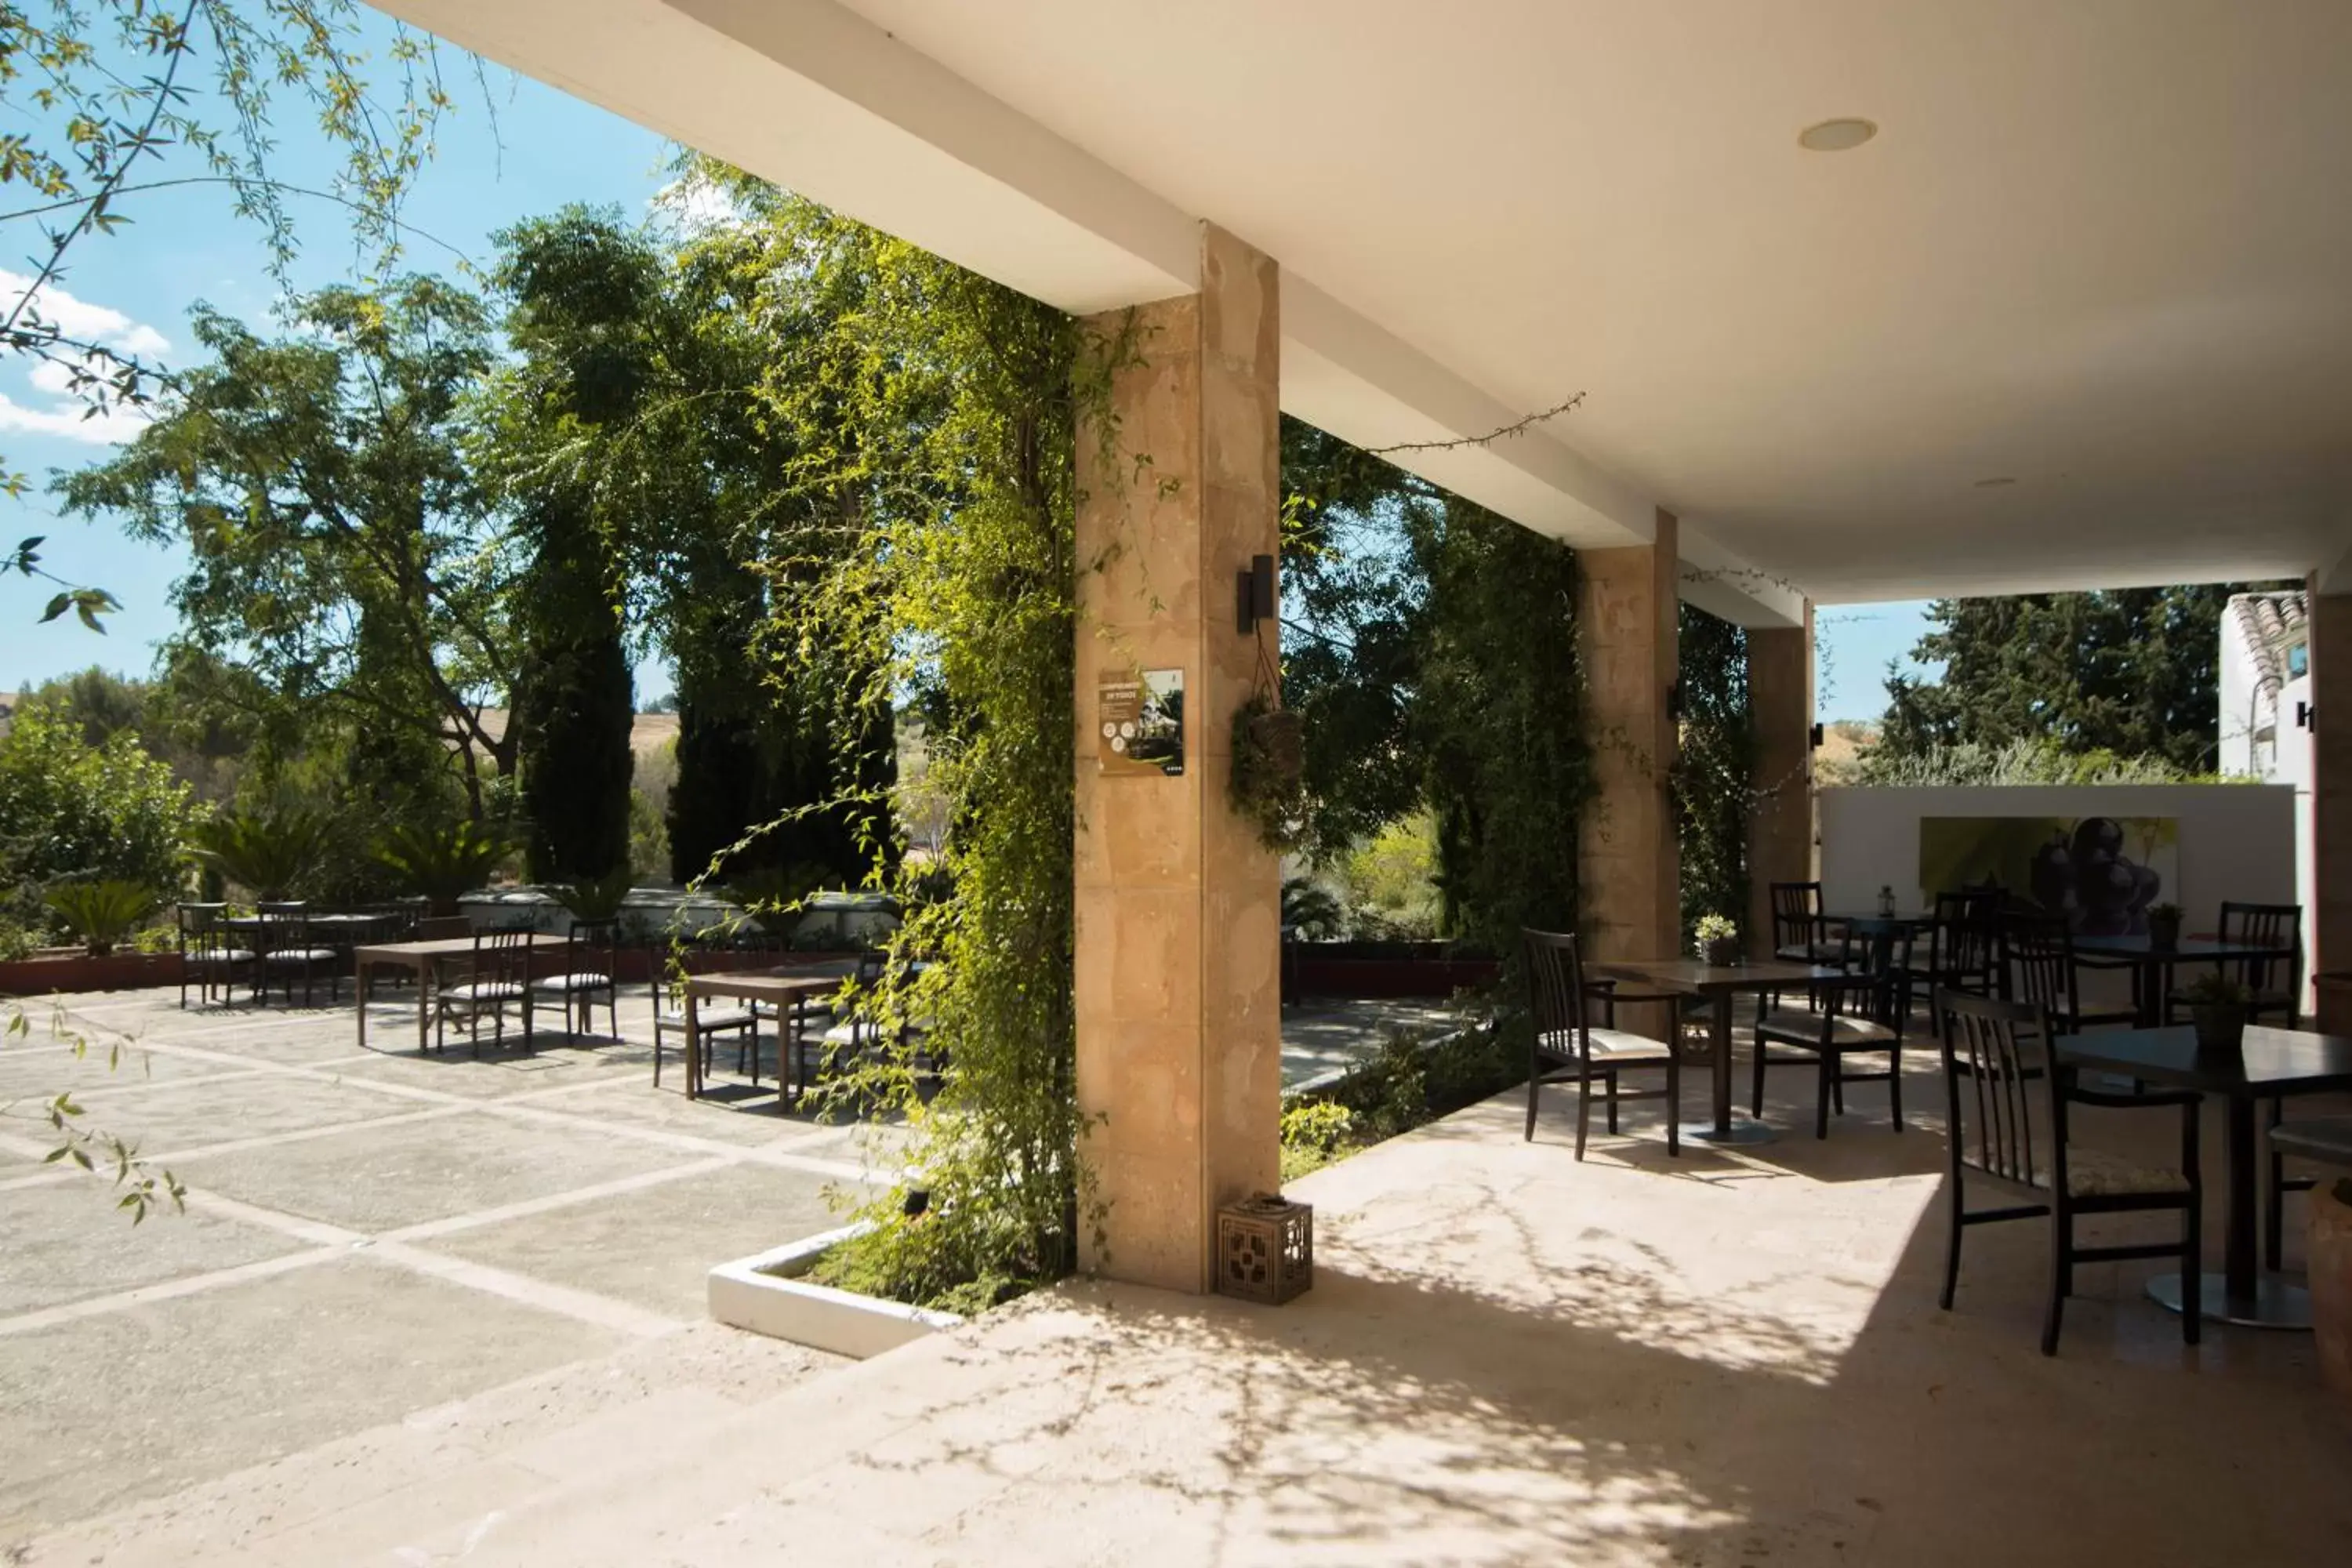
pixel 371 1232
pixel 1732 1358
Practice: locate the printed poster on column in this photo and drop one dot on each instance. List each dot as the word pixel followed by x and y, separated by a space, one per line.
pixel 1139 723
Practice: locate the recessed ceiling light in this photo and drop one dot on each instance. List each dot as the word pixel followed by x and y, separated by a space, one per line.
pixel 1995 483
pixel 1836 135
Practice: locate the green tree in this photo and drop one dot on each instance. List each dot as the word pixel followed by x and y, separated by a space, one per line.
pixel 2130 671
pixel 112 98
pixel 342 558
pixel 586 317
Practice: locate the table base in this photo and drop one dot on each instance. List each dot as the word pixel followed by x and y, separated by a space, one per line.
pixel 2275 1304
pixel 1743 1129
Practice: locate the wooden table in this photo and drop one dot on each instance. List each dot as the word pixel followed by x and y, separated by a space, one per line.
pixel 781 988
pixel 425 959
pixel 2152 966
pixel 2274 1062
pixel 1720 983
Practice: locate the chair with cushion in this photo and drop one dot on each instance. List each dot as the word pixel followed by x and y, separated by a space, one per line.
pixel 711 1017
pixel 1801 933
pixel 498 977
pixel 210 952
pixel 288 948
pixel 2038 958
pixel 2006 1122
pixel 1860 1011
pixel 591 959
pixel 1565 1047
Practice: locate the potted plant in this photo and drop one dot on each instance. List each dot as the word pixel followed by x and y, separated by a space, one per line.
pixel 269 854
pixel 2218 1005
pixel 1718 940
pixel 2164 927
pixel 2330 1273
pixel 101 913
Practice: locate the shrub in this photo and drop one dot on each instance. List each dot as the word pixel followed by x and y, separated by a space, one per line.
pixel 71 809
pixel 444 864
pixel 1314 1132
pixel 271 853
pixel 101 913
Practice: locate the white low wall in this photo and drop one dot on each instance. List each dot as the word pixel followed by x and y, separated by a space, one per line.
pixel 2237 841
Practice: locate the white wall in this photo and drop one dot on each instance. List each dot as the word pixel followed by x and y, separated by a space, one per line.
pixel 2237 841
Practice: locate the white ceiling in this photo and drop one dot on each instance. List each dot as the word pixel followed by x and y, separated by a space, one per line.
pixel 2102 248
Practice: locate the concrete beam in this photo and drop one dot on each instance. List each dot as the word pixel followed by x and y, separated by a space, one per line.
pixel 824 102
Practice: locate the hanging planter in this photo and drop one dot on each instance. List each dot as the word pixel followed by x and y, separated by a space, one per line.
pixel 1269 761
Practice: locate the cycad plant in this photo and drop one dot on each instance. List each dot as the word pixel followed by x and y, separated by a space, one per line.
pixel 598 901
pixel 101 913
pixel 268 853
pixel 443 863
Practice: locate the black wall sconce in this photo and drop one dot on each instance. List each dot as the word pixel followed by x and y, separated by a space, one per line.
pixel 2306 716
pixel 1254 596
pixel 1675 702
pixel 1814 738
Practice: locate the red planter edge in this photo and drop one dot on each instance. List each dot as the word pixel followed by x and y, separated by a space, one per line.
pixel 28 977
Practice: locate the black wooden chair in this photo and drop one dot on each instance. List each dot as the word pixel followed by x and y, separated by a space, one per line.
pixel 1565 1048
pixel 2277 988
pixel 286 948
pixel 1860 1011
pixel 2007 1121
pixel 1801 934
pixel 2275 983
pixel 1963 946
pixel 586 971
pixel 2039 965
pixel 497 978
pixel 210 952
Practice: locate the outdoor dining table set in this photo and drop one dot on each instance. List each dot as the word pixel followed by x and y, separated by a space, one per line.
pixel 2120 1054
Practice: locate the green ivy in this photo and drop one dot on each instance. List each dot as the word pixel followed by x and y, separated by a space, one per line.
pixel 930 538
pixel 1714 769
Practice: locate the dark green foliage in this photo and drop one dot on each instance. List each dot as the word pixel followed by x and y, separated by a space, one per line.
pixel 443 863
pixel 1498 720
pixel 270 854
pixel 589 316
pixel 596 899
pixel 2133 672
pixel 1713 769
pixel 1351 631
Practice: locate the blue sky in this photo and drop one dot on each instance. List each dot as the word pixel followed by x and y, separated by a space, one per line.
pixel 186 245
pixel 1853 645
pixel 546 150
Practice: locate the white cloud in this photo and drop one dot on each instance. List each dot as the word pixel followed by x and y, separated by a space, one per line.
pixel 83 321
pixel 65 420
pixel 65 413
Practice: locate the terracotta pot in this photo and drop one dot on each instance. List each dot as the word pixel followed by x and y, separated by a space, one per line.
pixel 2164 932
pixel 2331 1285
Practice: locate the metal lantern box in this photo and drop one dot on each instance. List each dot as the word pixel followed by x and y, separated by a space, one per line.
pixel 1265 1248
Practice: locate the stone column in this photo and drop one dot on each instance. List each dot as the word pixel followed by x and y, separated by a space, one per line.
pixel 2331 799
pixel 1178 904
pixel 1780 816
pixel 1630 863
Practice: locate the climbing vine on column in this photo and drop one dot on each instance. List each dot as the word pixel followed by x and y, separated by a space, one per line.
pixel 928 535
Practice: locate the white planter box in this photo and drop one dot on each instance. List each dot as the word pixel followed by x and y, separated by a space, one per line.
pixel 765 1294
